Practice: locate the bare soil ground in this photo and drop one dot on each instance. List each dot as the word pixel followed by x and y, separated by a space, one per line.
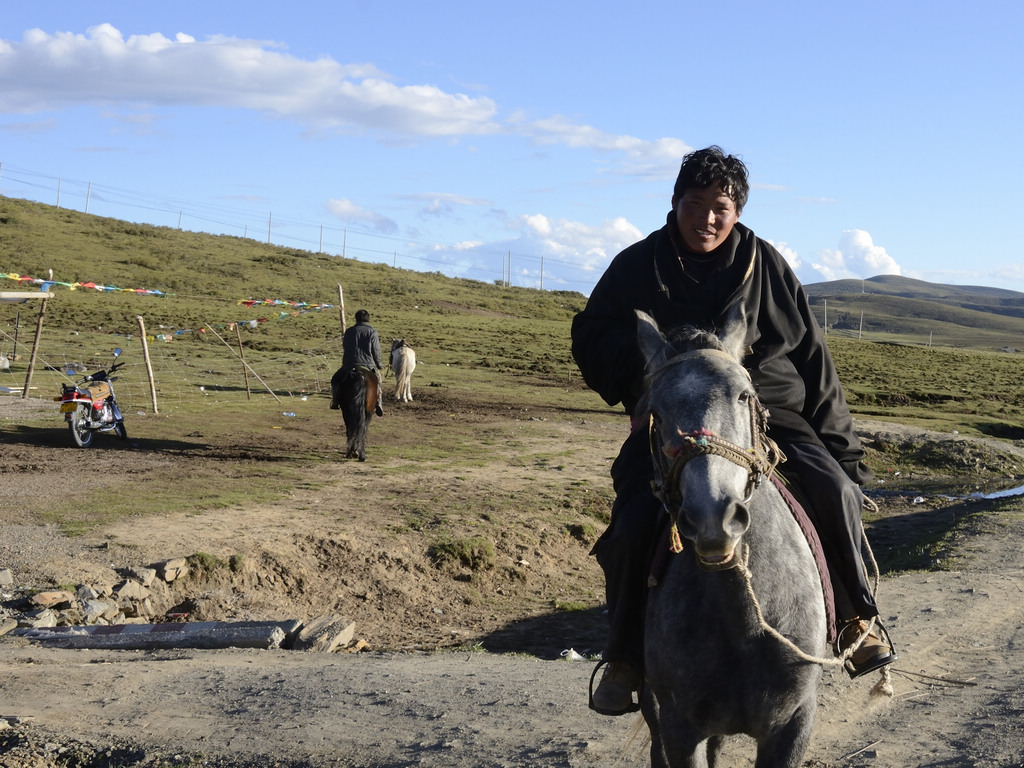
pixel 463 667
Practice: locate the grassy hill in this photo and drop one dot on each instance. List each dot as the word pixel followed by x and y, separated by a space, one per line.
pixel 901 309
pixel 208 278
pixel 907 350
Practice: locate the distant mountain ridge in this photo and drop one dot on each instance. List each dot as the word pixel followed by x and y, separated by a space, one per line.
pixel 977 297
pixel 954 315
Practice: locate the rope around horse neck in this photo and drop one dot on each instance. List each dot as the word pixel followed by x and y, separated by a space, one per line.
pixel 744 571
pixel 883 686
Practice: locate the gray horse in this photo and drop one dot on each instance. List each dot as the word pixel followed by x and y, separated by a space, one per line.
pixel 713 665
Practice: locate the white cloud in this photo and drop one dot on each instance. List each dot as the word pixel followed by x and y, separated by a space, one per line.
pixel 443 204
pixel 102 68
pixel 349 212
pixel 791 256
pixel 29 127
pixel 468 245
pixel 48 72
pixel 590 248
pixel 642 156
pixel 857 257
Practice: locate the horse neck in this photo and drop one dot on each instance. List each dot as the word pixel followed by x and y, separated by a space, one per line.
pixel 777 555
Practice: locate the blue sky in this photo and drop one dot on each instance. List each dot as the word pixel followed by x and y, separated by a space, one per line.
pixel 537 138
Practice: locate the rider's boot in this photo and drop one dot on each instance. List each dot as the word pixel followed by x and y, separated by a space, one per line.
pixel 614 694
pixel 624 554
pixel 873 653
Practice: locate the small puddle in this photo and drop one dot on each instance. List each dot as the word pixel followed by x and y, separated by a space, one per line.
pixel 952 491
pixel 1017 491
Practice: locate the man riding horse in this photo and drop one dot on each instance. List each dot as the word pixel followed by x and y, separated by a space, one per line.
pixel 361 352
pixel 693 271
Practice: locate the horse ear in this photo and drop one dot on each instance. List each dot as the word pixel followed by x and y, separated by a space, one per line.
pixel 734 335
pixel 653 346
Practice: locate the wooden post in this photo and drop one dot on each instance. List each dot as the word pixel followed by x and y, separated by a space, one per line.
pixel 149 365
pixel 260 380
pixel 17 326
pixel 35 350
pixel 341 303
pixel 241 355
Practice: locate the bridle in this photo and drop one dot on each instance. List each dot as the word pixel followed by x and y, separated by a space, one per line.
pixel 669 457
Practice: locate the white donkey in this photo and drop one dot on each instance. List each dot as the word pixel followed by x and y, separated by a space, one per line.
pixel 403 363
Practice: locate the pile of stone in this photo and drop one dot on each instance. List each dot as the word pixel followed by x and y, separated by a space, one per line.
pixel 123 616
pixel 127 602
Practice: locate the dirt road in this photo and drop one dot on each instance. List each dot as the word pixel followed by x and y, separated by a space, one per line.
pixel 958 686
pixel 961 631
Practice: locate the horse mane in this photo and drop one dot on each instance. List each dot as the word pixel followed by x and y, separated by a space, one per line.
pixel 679 341
pixel 687 338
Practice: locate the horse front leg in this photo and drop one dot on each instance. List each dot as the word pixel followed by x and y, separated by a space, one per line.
pixel 673 743
pixel 785 748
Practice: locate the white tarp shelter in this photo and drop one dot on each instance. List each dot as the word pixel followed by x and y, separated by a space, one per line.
pixel 23 296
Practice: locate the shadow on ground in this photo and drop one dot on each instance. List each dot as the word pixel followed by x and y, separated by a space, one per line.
pixel 547 636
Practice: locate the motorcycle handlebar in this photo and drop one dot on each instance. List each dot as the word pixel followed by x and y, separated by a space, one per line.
pixel 102 375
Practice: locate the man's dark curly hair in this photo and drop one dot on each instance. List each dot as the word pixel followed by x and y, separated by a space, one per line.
pixel 362 316
pixel 705 167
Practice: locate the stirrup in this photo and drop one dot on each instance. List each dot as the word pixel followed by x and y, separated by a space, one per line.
pixel 877 662
pixel 634 706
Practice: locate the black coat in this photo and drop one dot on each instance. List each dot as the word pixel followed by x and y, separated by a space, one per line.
pixel 361 347
pixel 790 364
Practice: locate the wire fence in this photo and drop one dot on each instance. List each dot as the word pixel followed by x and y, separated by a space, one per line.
pixel 478 263
pixel 186 372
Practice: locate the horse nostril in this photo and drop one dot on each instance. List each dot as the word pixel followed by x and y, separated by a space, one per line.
pixel 737 520
pixel 686 529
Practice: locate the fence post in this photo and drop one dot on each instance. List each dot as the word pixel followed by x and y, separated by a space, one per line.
pixel 341 303
pixel 245 369
pixel 149 365
pixel 35 349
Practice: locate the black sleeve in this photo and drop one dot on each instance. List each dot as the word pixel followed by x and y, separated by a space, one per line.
pixel 604 340
pixel 375 349
pixel 824 408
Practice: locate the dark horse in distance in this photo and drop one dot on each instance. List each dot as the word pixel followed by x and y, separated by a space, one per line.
pixel 355 393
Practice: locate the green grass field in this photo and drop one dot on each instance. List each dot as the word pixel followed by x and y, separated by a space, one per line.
pixel 892 368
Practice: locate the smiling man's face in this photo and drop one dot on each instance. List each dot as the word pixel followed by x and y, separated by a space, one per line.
pixel 705 217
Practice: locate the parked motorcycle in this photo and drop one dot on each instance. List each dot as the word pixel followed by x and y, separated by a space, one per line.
pixel 89 406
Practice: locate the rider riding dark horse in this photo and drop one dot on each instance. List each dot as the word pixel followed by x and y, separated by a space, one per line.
pixel 361 352
pixel 693 271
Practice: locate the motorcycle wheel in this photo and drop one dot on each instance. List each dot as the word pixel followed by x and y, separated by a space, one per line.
pixel 80 431
pixel 119 430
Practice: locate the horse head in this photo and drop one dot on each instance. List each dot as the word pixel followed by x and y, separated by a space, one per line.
pixel 707 432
